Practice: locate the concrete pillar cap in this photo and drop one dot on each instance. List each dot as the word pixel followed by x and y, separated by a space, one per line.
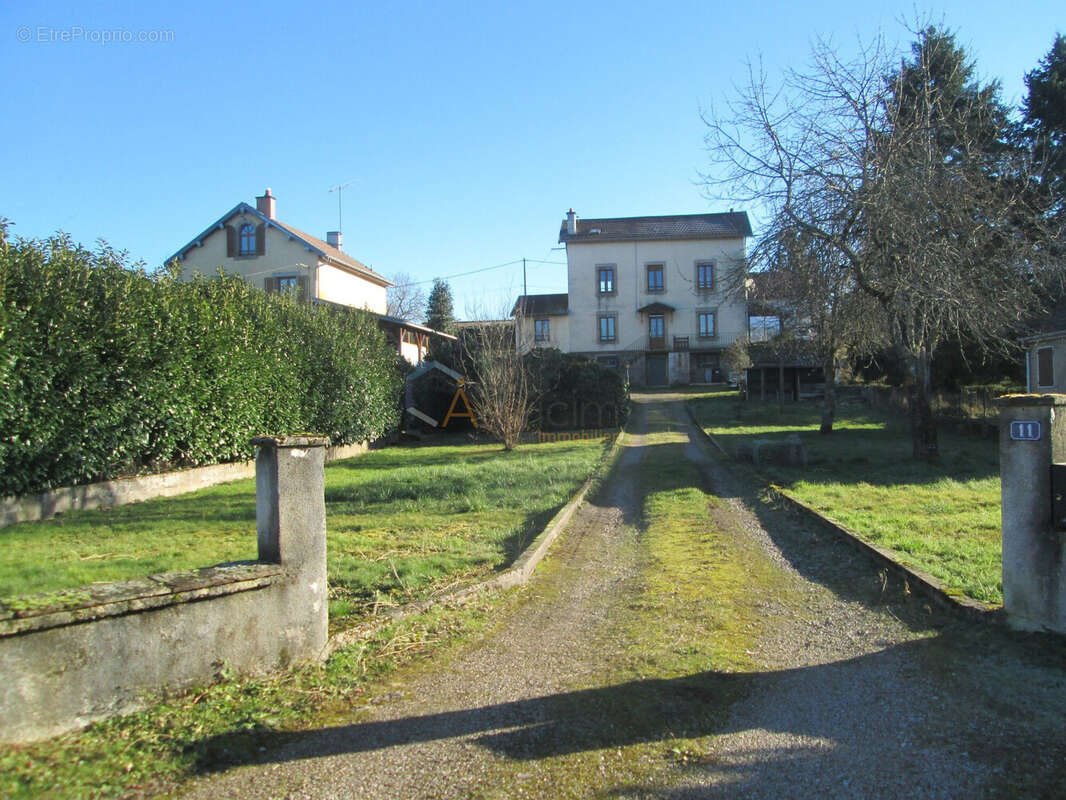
pixel 300 440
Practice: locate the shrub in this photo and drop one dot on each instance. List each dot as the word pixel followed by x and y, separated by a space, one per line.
pixel 106 370
pixel 577 392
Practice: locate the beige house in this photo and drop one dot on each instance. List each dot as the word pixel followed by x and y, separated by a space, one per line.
pixel 277 257
pixel 659 296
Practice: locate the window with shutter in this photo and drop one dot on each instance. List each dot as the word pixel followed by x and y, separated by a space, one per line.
pixel 1045 367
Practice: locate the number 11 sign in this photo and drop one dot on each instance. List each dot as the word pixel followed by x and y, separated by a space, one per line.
pixel 1025 430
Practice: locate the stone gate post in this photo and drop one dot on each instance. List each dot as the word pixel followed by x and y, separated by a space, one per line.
pixel 1032 438
pixel 290 516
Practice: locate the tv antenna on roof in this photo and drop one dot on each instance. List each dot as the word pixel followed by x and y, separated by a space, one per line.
pixel 339 189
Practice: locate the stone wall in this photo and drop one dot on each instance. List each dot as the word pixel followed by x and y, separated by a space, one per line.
pixel 123 491
pixel 71 657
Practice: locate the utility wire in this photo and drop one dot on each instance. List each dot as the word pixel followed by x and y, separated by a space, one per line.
pixel 482 269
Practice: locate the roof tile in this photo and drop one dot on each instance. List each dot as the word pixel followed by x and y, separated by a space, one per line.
pixel 728 225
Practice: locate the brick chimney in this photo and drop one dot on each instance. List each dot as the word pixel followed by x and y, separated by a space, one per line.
pixel 334 239
pixel 571 221
pixel 265 204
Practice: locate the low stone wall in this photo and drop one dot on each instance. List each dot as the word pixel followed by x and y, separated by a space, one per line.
pixel 124 491
pixel 71 657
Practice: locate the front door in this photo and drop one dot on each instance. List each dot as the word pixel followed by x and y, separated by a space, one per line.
pixel 657 375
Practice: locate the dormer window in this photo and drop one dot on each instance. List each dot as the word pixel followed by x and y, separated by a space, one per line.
pixel 248 244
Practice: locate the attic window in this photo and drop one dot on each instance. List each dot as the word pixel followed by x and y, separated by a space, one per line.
pixel 248 247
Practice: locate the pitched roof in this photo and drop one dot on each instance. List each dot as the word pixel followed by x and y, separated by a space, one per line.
pixel 333 254
pixel 728 225
pixel 398 321
pixel 541 304
pixel 312 243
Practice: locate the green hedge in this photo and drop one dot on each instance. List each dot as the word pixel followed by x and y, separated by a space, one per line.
pixel 577 392
pixel 106 370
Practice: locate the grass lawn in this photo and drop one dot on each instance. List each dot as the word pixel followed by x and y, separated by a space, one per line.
pixel 943 517
pixel 401 523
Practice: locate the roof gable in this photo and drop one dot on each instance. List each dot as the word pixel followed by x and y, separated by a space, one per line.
pixel 312 243
pixel 728 225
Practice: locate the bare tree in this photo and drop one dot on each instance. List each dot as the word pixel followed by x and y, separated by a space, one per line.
pixel 904 174
pixel 503 391
pixel 406 300
pixel 840 320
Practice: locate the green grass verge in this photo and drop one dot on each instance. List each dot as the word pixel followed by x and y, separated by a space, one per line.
pixel 941 517
pixel 401 523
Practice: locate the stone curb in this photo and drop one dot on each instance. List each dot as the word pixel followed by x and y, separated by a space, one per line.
pixel 515 575
pixel 915 579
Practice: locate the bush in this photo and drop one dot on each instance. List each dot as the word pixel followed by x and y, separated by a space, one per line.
pixel 577 392
pixel 106 370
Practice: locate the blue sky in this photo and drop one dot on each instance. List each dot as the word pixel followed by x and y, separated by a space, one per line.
pixel 467 128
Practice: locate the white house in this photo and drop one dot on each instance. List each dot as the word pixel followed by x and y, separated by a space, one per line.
pixel 659 296
pixel 275 256
pixel 1045 353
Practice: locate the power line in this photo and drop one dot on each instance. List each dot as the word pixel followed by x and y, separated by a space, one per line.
pixel 482 269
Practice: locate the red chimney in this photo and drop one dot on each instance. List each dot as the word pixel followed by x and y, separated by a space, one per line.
pixel 265 204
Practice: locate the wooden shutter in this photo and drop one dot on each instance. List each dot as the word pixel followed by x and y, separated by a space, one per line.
pixel 1045 367
pixel 270 285
pixel 260 239
pixel 302 283
pixel 231 241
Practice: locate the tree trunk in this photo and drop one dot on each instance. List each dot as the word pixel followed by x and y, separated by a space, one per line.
pixel 829 397
pixel 923 426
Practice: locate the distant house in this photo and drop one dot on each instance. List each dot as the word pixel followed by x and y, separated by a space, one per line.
pixel 786 364
pixel 277 257
pixel 1045 353
pixel 542 321
pixel 770 304
pixel 659 296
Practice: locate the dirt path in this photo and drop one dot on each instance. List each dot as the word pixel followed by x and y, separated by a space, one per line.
pixel 842 686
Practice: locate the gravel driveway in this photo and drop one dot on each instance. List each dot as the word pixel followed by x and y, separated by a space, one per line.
pixel 855 688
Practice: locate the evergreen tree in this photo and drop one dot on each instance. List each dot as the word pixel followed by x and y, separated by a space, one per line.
pixel 941 215
pixel 440 312
pixel 1045 120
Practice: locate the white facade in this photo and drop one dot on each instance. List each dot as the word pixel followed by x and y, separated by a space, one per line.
pixel 252 243
pixel 271 255
pixel 661 306
pixel 631 261
pixel 557 333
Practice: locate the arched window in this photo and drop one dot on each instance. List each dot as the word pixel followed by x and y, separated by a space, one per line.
pixel 247 240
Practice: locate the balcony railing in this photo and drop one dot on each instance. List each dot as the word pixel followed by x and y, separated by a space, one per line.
pixel 656 342
pixel 680 343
